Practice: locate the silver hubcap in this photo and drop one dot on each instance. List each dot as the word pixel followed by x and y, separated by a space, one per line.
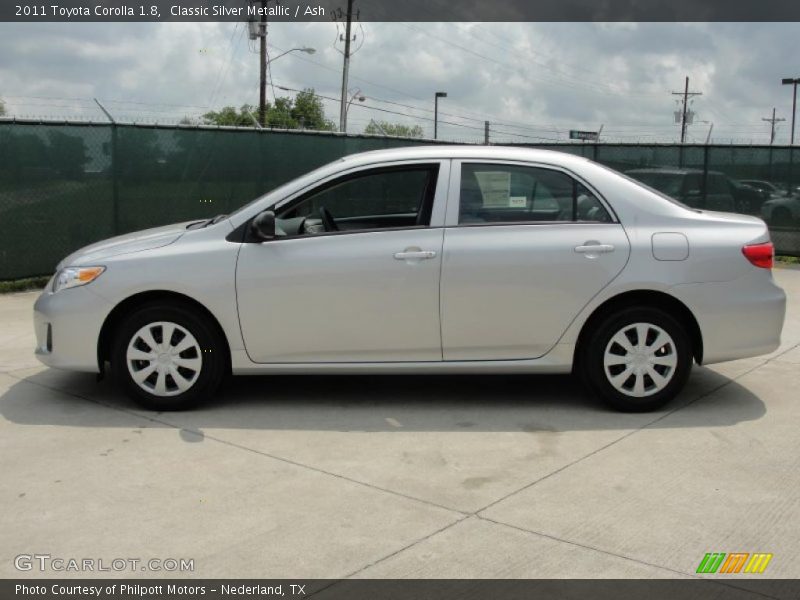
pixel 640 360
pixel 164 359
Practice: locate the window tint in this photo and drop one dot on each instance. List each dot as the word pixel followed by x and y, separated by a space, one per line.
pixel 588 207
pixel 693 184
pixel 505 193
pixel 671 184
pixel 718 184
pixel 373 200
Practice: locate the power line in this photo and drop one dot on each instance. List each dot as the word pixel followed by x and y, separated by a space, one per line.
pixel 417 117
pixel 483 116
pixel 223 70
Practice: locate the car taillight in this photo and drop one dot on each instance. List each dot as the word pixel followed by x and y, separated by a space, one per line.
pixel 760 255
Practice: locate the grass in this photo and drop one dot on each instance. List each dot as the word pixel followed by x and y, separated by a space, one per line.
pixel 790 260
pixel 23 285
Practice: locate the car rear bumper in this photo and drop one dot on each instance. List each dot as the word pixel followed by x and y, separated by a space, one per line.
pixel 739 318
pixel 67 326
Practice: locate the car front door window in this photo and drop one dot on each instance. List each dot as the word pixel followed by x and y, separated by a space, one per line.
pixel 377 199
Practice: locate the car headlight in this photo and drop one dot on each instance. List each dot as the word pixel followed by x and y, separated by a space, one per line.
pixel 74 276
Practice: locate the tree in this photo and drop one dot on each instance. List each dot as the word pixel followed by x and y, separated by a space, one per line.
pixel 309 112
pixel 396 129
pixel 280 114
pixel 305 111
pixel 230 117
pixel 2 108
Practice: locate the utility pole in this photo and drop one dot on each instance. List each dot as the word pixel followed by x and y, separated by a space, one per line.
pixel 686 95
pixel 793 82
pixel 486 133
pixel 772 122
pixel 262 100
pixel 260 32
pixel 346 69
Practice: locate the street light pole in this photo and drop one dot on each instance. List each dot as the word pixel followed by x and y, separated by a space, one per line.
pixel 359 95
pixel 436 97
pixel 793 82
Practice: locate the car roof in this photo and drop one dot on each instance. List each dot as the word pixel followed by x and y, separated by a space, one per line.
pixel 513 153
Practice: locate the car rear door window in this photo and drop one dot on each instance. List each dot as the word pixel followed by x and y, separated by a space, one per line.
pixel 494 193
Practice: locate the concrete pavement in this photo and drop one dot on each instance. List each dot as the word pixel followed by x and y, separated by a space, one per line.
pixel 328 477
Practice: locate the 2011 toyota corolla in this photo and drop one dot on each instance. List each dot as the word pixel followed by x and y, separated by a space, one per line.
pixel 424 260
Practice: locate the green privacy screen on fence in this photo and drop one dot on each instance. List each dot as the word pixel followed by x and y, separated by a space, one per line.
pixel 65 185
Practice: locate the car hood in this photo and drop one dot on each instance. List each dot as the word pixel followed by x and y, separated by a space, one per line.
pixel 137 241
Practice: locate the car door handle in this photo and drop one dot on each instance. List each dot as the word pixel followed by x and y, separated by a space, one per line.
pixel 414 255
pixel 594 248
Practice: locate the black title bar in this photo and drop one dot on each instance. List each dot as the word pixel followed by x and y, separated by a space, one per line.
pixel 742 588
pixel 402 10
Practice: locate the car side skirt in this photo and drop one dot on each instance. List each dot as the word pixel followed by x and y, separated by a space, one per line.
pixel 558 360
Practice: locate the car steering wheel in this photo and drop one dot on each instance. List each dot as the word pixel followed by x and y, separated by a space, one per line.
pixel 327 219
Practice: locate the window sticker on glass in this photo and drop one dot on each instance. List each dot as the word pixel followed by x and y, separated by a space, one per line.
pixel 495 188
pixel 518 201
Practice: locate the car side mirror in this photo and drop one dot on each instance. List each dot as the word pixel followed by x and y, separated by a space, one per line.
pixel 262 227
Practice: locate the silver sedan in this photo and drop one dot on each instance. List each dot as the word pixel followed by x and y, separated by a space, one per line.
pixel 424 260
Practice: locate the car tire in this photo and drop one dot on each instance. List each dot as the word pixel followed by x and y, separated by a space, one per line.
pixel 168 374
pixel 656 371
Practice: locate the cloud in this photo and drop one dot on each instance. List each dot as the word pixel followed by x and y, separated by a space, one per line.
pixel 530 80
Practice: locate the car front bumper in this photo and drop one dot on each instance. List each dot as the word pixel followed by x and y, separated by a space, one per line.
pixel 67 326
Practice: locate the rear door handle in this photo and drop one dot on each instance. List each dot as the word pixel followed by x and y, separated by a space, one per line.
pixel 594 248
pixel 415 255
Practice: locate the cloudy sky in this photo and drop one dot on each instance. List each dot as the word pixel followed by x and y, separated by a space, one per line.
pixel 532 81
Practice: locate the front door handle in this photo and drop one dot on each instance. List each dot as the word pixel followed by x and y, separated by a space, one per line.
pixel 414 254
pixel 594 248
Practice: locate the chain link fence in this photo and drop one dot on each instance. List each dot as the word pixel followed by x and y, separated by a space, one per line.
pixel 65 185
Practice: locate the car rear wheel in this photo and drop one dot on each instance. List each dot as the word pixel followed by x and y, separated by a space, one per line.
pixel 638 359
pixel 168 357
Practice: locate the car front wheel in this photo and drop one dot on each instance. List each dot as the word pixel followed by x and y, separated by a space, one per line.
pixel 638 359
pixel 168 357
